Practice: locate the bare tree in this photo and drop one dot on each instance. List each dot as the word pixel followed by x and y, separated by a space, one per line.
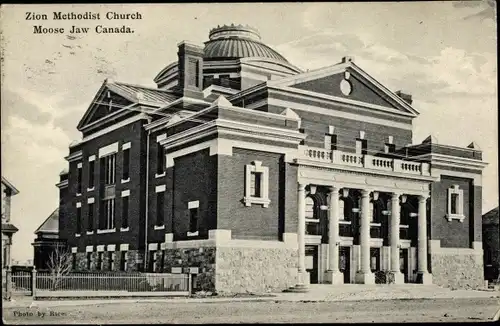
pixel 59 264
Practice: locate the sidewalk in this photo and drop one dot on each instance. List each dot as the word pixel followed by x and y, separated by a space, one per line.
pixel 317 293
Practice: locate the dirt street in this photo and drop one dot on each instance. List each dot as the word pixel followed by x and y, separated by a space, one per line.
pixel 435 310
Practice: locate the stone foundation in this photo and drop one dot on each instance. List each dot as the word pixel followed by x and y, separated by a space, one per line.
pixel 134 261
pixel 458 270
pixel 203 258
pixel 457 267
pixel 255 270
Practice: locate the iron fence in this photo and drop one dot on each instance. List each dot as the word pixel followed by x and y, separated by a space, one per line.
pixel 21 283
pixel 140 282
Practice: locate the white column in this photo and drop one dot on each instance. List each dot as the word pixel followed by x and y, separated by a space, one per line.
pixel 394 239
pixel 301 200
pixel 333 275
pixel 364 274
pixel 423 275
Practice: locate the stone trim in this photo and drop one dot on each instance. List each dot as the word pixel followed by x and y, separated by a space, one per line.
pixel 152 246
pixel 100 248
pixel 459 205
pixel 91 158
pixel 111 247
pixel 124 247
pixel 74 250
pixel 125 193
pixel 263 200
pixel 475 176
pixel 78 205
pixel 90 200
pixel 436 249
pixel 194 204
pixel 108 150
pixel 333 113
pixel 160 188
pixel 161 137
pixel 126 146
pixel 89 249
pixel 169 237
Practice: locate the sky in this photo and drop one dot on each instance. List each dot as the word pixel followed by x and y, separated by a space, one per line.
pixel 443 53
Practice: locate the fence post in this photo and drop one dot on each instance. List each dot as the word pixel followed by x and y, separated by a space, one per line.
pixel 190 286
pixel 33 283
pixel 8 283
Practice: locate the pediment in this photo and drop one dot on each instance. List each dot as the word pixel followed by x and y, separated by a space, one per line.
pixel 346 82
pixel 106 103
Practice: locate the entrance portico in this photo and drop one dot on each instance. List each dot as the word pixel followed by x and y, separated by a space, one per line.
pixel 355 203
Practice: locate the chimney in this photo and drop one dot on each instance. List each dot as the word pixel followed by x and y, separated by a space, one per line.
pixel 405 97
pixel 190 69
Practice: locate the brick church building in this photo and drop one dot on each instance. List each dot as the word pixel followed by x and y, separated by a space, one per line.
pixel 255 176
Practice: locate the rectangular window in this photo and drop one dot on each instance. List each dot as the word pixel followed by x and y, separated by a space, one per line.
pixel 162 261
pixel 126 164
pixel 389 148
pixel 99 261
pixel 79 180
pixel 193 219
pixel 124 212
pixel 111 260
pixel 90 217
pixel 454 203
pixel 153 257
pixel 109 214
pixel 331 142
pixel 361 146
pixel 73 261
pixel 123 260
pixel 91 174
pixel 108 171
pixel 89 260
pixel 160 159
pixel 78 220
pixel 160 208
pixel 255 182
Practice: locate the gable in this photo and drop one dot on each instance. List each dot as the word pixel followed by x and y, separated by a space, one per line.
pixel 346 82
pixel 331 85
pixel 105 103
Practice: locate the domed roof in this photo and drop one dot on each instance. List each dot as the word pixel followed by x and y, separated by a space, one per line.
pixel 238 41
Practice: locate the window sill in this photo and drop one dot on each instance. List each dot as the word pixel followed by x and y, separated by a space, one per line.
pixel 312 220
pixel 159 227
pixel 90 189
pixel 344 222
pixel 77 235
pixel 125 180
pixel 192 234
pixel 459 217
pixel 375 224
pixel 124 229
pixel 90 232
pixel 404 226
pixel 105 231
pixel 256 200
pixel 78 194
pixel 159 175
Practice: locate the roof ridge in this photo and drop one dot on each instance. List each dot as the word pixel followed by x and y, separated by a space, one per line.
pixel 145 87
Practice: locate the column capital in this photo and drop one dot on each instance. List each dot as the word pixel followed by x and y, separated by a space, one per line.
pixel 365 192
pixel 334 189
pixel 301 187
pixel 395 195
pixel 423 197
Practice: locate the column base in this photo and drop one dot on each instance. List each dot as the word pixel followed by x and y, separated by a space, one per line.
pixel 303 284
pixel 365 277
pixel 332 277
pixel 397 277
pixel 424 278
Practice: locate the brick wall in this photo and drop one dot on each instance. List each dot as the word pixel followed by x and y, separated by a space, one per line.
pixel 194 178
pixel 453 233
pixel 255 221
pixel 134 134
